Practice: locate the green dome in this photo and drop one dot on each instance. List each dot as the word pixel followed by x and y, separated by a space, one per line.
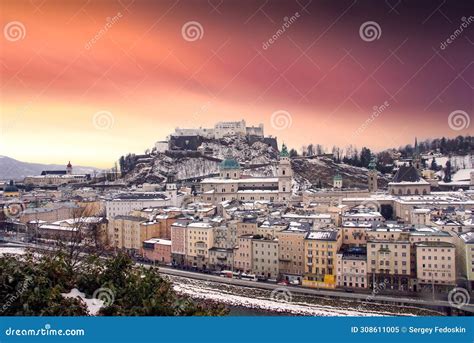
pixel 229 163
pixel 284 151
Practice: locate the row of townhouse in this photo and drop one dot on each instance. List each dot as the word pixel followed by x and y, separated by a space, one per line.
pixel 355 255
pixel 129 232
pixel 400 258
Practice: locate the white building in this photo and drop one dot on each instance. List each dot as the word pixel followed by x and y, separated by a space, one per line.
pixel 222 129
pixel 123 204
pixel 232 185
pixel 161 146
pixel 226 128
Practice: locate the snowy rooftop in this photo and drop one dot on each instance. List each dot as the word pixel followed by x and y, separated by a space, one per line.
pixel 57 227
pixel 371 214
pixel 202 225
pixel 357 224
pixel 158 241
pixel 248 180
pixel 307 216
pixel 409 183
pixel 327 235
pixel 468 237
pixel 87 220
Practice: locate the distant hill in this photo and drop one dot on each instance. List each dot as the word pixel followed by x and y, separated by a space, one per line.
pixel 11 169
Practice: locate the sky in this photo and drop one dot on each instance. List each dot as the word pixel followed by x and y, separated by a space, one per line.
pixel 89 81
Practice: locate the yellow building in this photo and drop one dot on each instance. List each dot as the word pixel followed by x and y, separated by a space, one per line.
pixel 200 238
pixel 320 249
pixel 129 232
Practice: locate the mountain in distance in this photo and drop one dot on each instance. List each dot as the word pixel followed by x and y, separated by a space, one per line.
pixel 11 169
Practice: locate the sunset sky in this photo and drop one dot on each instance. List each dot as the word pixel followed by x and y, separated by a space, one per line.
pixel 68 96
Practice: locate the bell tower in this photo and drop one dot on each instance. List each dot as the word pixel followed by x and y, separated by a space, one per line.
pixel 284 174
pixel 69 168
pixel 372 176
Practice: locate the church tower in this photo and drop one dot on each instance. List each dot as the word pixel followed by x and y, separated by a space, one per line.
pixel 337 181
pixel 69 168
pixel 172 189
pixel 372 175
pixel 417 157
pixel 284 174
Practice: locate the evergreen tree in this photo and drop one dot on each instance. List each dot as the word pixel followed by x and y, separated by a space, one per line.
pixel 32 286
pixel 447 172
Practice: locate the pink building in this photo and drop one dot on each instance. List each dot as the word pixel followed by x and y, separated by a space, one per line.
pixel 156 249
pixel 178 245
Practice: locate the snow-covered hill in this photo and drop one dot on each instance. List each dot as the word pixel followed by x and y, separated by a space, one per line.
pixel 257 158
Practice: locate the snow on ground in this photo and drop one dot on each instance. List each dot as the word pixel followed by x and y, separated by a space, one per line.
pixel 11 250
pixel 203 290
pixel 457 162
pixel 93 305
pixel 462 175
